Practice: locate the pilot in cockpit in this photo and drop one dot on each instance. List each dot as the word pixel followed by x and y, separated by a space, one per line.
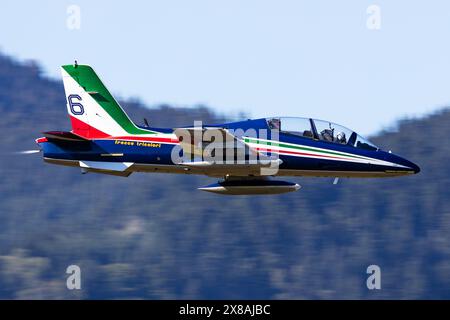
pixel 340 137
pixel 327 134
pixel 274 124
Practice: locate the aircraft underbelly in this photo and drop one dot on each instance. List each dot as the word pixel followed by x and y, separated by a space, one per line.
pixel 124 169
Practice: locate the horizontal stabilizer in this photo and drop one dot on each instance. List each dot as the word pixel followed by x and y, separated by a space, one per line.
pixel 62 136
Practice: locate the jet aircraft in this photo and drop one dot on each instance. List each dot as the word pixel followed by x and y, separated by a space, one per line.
pixel 244 155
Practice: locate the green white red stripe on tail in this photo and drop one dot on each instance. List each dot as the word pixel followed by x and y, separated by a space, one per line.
pixel 93 111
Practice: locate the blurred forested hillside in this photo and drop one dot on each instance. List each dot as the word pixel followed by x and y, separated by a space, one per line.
pixel 155 236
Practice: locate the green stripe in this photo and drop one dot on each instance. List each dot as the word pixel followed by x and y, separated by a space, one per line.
pixel 86 77
pixel 278 144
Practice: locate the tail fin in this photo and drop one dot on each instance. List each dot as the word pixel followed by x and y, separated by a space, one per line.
pixel 93 111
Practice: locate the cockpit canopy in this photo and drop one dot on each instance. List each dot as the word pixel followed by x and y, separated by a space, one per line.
pixel 320 130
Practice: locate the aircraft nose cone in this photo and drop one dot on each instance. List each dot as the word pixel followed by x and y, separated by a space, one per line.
pixel 416 168
pixel 405 164
pixel 411 165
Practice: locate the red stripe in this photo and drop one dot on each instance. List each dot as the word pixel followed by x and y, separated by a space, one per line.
pixel 41 140
pixel 153 139
pixel 299 153
pixel 84 130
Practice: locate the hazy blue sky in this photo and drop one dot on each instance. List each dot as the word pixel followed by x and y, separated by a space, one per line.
pixel 293 58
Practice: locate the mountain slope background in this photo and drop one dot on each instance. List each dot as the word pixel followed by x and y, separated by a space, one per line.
pixel 155 236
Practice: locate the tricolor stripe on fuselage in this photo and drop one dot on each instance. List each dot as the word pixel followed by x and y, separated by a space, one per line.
pixel 298 150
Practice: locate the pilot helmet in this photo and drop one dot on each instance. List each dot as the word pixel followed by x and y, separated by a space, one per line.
pixel 340 137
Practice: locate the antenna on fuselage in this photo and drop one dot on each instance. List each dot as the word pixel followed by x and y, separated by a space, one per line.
pixel 75 64
pixel 146 122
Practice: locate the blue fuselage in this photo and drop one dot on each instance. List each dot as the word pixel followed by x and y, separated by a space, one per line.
pixel 299 155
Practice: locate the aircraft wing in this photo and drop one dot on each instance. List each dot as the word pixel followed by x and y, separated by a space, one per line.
pixel 196 140
pixel 216 151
